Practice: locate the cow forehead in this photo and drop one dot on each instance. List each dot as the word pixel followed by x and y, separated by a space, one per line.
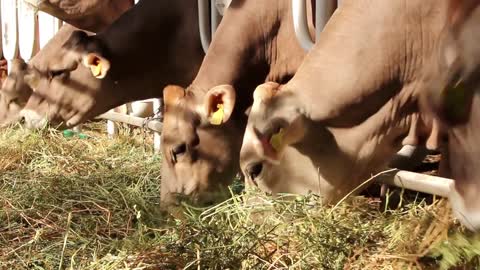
pixel 281 106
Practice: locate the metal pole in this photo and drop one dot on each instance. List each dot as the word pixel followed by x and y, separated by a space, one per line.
pixel 204 24
pixel 323 10
pixel 131 120
pixel 418 182
pixel 300 24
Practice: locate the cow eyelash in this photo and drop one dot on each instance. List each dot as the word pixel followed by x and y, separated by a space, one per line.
pixel 177 151
pixel 55 73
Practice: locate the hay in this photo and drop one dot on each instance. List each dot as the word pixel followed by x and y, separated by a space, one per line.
pixel 71 203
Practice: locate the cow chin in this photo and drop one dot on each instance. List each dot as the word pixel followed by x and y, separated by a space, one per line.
pixel 190 188
pixel 467 213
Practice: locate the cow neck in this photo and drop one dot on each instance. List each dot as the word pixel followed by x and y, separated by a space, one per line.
pixel 345 70
pixel 137 46
pixel 283 53
pixel 252 44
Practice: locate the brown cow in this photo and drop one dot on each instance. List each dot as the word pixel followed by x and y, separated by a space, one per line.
pixel 16 93
pixel 452 94
pixel 152 44
pixel 90 15
pixel 255 41
pixel 354 100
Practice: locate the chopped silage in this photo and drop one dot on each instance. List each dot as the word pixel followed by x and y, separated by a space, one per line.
pixel 71 203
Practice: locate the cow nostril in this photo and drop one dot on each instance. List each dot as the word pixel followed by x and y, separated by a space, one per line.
pixel 254 170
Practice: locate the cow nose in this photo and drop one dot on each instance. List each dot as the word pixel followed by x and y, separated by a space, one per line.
pixel 253 170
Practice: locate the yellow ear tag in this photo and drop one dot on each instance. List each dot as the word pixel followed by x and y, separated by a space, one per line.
pixel 276 140
pixel 217 116
pixel 96 69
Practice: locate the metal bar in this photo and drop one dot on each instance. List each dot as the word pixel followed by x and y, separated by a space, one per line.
pixel 215 17
pixel 300 24
pixel 418 182
pixel 157 139
pixel 204 24
pixel 323 11
pixel 132 120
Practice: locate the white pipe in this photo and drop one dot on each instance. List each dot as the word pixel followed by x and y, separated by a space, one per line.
pixel 1 35
pixel 323 11
pixel 27 24
pixel 418 182
pixel 132 120
pixel 9 30
pixel 300 24
pixel 203 24
pixel 48 26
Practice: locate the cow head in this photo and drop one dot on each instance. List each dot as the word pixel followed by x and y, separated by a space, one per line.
pixel 199 143
pixel 285 124
pixel 74 86
pixel 452 80
pixel 275 122
pixel 14 94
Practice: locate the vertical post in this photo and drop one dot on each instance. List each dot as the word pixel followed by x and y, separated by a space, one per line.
pixel 112 129
pixel 204 24
pixel 9 30
pixel 1 35
pixel 47 27
pixel 27 24
pixel 323 11
pixel 300 24
pixel 157 103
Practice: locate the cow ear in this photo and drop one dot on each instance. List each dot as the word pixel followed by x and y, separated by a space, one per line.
pixel 265 91
pixel 171 95
pixel 218 104
pixel 275 141
pixel 286 129
pixel 98 65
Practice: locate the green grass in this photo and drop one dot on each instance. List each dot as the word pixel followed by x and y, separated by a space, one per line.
pixel 70 203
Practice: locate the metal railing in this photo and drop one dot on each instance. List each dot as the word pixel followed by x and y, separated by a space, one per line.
pixel 323 10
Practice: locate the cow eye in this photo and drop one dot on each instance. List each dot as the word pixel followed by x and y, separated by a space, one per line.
pixel 178 151
pixel 56 73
